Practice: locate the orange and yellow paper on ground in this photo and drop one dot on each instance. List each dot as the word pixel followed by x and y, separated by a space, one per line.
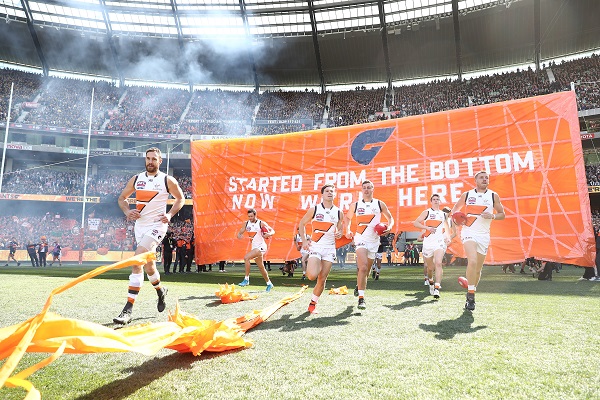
pixel 231 294
pixel 51 333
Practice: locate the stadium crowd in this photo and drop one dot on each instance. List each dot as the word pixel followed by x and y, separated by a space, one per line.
pixel 52 181
pixel 291 105
pixel 146 109
pixel 105 233
pixel 355 107
pixel 65 102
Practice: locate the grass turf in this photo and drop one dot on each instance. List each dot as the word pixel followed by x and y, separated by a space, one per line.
pixel 526 339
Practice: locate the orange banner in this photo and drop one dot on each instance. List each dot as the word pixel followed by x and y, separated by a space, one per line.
pixel 531 148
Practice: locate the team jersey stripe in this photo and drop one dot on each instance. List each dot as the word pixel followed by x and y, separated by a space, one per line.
pixel 473 211
pixel 363 221
pixel 319 229
pixel 434 223
pixel 145 195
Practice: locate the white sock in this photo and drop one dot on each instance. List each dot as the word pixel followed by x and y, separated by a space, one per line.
pixel 315 298
pixel 361 293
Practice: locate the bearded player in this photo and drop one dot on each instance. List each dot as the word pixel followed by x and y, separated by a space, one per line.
pixel 152 189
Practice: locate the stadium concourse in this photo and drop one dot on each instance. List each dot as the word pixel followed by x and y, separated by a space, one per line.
pixel 142 113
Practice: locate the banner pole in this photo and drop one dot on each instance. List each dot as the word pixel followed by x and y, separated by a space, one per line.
pixel 12 85
pixel 85 180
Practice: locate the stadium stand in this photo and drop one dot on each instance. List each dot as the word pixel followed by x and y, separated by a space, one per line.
pixel 64 102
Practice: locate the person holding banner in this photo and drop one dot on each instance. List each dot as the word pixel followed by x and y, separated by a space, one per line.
pixel 480 204
pixel 152 188
pixel 326 220
pixel 368 213
pixel 436 239
pixel 258 231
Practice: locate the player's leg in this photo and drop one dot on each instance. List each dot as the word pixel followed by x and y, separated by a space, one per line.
pixel 251 255
pixel 428 270
pixel 365 258
pixel 313 266
pixel 378 258
pixel 263 270
pixel 363 266
pixel 136 280
pixel 475 259
pixel 320 265
pixel 146 242
pixel 438 256
pixel 324 269
pixel 304 261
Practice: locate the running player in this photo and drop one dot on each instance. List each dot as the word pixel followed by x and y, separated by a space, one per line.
pixel 258 231
pixel 326 220
pixel 436 239
pixel 368 213
pixel 152 188
pixel 480 204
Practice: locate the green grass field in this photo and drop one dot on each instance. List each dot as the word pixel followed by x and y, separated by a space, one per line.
pixel 527 339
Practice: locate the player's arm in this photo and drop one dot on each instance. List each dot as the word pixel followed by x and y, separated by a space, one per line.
pixel 460 203
pixel 450 232
pixel 348 221
pixel 499 208
pixel 240 233
pixel 388 215
pixel 420 222
pixel 339 229
pixel 131 213
pixel 177 193
pixel 306 220
pixel 270 231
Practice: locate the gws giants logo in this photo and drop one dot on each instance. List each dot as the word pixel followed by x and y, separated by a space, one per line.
pixel 363 150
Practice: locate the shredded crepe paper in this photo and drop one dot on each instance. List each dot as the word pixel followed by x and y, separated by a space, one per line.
pixel 51 333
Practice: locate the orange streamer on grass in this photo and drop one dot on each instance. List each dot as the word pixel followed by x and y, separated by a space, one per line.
pixel 49 332
pixel 229 294
pixel 340 290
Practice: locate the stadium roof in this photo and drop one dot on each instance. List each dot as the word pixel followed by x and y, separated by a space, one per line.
pixel 291 43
